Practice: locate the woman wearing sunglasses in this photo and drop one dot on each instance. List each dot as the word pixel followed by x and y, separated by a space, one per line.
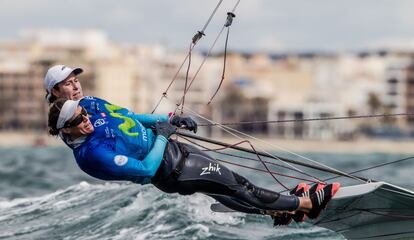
pixel 122 148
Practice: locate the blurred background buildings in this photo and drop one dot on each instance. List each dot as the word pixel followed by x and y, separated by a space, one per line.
pixel 257 87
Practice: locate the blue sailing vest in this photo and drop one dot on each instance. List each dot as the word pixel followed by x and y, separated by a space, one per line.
pixel 122 146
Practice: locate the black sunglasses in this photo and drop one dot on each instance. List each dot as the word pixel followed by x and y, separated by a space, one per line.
pixel 77 120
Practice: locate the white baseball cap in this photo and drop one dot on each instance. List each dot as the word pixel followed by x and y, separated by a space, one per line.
pixel 57 74
pixel 67 112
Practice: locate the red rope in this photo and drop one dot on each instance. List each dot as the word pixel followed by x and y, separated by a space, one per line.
pixel 267 162
pixel 261 170
pixel 258 156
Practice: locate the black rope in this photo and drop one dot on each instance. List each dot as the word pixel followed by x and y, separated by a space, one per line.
pixel 228 23
pixel 252 151
pixel 267 162
pixel 308 119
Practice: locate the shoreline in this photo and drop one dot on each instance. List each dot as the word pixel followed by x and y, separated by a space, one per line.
pixel 362 145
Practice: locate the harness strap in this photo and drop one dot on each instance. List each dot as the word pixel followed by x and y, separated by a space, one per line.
pixel 180 165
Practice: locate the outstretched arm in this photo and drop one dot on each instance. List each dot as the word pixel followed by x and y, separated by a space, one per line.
pixel 127 167
pixel 149 120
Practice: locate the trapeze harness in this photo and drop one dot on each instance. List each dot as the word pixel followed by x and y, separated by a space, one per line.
pixel 186 170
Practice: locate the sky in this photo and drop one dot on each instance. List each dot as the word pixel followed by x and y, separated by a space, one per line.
pixel 260 25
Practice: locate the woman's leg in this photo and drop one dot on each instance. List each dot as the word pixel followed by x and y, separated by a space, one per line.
pixel 201 173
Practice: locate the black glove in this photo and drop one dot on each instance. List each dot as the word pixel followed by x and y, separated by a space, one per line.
pixel 165 129
pixel 185 122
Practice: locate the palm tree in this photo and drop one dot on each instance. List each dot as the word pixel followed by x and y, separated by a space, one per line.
pixel 374 102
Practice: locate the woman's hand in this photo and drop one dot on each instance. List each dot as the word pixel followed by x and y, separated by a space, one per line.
pixel 165 129
pixel 184 122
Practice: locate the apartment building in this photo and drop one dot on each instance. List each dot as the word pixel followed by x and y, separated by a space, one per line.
pixel 313 86
pixel 126 75
pixel 24 62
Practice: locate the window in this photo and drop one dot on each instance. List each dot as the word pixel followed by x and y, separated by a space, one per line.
pixel 392 80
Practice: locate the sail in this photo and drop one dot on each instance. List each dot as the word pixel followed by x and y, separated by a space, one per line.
pixel 375 210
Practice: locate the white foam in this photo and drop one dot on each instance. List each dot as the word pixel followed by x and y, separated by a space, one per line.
pixel 199 209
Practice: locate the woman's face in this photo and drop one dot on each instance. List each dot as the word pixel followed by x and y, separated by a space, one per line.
pixel 85 127
pixel 70 88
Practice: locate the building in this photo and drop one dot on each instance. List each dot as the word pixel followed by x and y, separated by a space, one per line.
pixel 126 75
pixel 256 87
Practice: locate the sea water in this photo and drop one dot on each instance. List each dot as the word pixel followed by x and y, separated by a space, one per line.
pixel 44 195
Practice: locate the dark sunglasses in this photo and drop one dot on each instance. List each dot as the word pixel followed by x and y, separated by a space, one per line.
pixel 77 120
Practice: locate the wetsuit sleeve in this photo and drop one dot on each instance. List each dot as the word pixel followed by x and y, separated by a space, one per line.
pixel 149 120
pixel 126 167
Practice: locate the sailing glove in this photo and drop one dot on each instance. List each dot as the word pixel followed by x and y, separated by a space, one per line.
pixel 165 129
pixel 185 122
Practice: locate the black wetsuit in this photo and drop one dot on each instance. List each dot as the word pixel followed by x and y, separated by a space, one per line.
pixel 186 169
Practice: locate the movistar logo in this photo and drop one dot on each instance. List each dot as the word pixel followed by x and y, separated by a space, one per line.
pixel 128 123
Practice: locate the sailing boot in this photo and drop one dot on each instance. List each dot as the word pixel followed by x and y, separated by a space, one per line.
pixel 300 216
pixel 286 218
pixel 321 198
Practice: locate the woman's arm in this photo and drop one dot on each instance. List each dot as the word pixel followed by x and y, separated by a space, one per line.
pixel 118 164
pixel 149 120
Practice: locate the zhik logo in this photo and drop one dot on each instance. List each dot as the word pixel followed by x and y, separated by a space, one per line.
pixel 211 168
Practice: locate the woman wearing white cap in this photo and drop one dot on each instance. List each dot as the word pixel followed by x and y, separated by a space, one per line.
pixel 119 149
pixel 62 82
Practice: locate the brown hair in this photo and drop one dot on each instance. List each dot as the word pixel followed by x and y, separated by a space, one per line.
pixel 52 97
pixel 54 112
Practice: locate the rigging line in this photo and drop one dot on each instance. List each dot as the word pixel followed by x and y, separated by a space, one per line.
pixel 164 94
pixel 237 136
pixel 385 214
pixel 264 154
pixel 369 168
pixel 201 65
pixel 194 41
pixel 186 78
pixel 207 55
pixel 229 21
pixel 307 119
pixel 235 6
pixel 270 163
pixel 251 159
pixel 265 171
pixel 211 17
pixel 260 159
pixel 275 146
pixel 375 166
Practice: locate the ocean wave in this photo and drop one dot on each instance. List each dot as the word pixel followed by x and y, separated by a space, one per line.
pixel 129 211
